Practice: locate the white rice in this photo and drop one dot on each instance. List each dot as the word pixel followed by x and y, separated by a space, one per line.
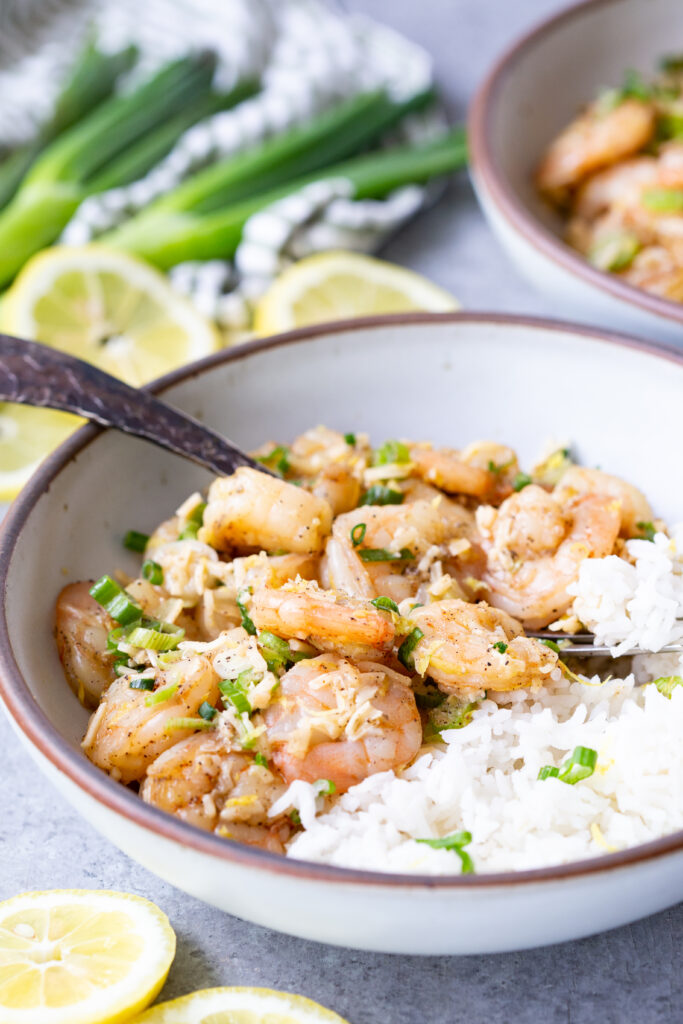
pixel 484 778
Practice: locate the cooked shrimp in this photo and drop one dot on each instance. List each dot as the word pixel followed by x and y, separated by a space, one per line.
pixel 535 546
pixel 633 505
pixel 594 140
pixel 618 186
pixel 331 468
pixel 473 646
pixel 254 510
pixel 331 622
pixel 132 727
pixel 343 722
pixel 202 782
pixel 483 470
pixel 417 527
pixel 81 630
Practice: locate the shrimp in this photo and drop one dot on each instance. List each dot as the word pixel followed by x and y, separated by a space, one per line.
pixel 483 470
pixel 253 510
pixel 417 527
pixel 331 467
pixel 343 722
pixel 132 727
pixel 535 545
pixel 634 506
pixel 592 141
pixel 619 186
pixel 81 630
pixel 219 790
pixel 468 647
pixel 303 611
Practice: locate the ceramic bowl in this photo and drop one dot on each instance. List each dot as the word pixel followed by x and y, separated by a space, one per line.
pixel 449 377
pixel 536 88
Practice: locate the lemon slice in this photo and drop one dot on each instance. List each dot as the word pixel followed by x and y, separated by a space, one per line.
pixel 103 306
pixel 240 1006
pixel 79 957
pixel 340 285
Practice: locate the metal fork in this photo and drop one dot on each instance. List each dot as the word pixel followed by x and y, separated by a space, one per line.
pixel 582 645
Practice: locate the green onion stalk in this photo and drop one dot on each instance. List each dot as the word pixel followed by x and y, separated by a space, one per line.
pixel 117 142
pixel 167 235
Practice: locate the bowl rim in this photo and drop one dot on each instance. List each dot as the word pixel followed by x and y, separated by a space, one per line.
pixel 485 170
pixel 30 720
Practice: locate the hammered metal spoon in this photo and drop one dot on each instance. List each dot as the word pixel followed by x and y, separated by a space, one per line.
pixel 34 374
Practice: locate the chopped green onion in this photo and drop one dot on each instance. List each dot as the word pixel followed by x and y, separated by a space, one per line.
pixel 614 250
pixel 521 481
pixel 236 690
pixel 647 529
pixel 499 467
pixel 449 713
pixel 115 601
pixel 386 604
pixel 671 62
pixel 405 651
pixel 552 645
pixel 207 711
pixel 428 696
pixel 151 635
pixel 580 765
pixel 454 842
pixel 358 534
pixel 500 647
pixel 247 621
pixel 667 684
pixel 350 440
pixel 380 494
pixel 260 760
pixel 635 87
pixel 277 460
pixel 152 572
pixel 391 452
pixel 295 817
pixel 122 664
pixel 663 200
pixel 324 787
pixel 193 523
pixel 382 555
pixel 186 723
pixel 141 684
pixel 277 652
pixel 159 696
pixel 135 541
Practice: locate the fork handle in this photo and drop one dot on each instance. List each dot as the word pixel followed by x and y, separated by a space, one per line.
pixel 35 374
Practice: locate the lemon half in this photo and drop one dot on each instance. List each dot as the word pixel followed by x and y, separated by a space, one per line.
pixel 342 285
pixel 81 957
pixel 240 1006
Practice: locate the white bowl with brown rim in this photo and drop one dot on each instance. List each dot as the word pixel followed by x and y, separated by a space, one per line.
pixel 448 377
pixel 538 86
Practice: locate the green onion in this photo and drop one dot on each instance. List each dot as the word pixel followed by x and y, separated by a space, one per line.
pixel 614 251
pixel 151 635
pixel 381 494
pixel 580 765
pixel 159 696
pixel 324 787
pixel 663 200
pixel 115 601
pixel 391 452
pixel 454 842
pixel 449 713
pixel 500 647
pixel 635 87
pixel 277 652
pixel 552 645
pixel 647 529
pixel 385 603
pixel 405 651
pixel 667 684
pixel 277 460
pixel 141 684
pixel 193 522
pixel 350 440
pixel 521 481
pixel 427 695
pixel 172 724
pixel 382 555
pixel 260 760
pixel 136 541
pixel 671 62
pixel 247 621
pixel 358 534
pixel 152 572
pixel 295 817
pixel 207 711
pixel 235 690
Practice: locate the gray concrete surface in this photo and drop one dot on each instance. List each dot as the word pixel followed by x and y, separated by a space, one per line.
pixel 628 976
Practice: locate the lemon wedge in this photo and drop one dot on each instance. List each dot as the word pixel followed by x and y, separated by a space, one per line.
pixel 80 957
pixel 240 1006
pixel 341 285
pixel 103 306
